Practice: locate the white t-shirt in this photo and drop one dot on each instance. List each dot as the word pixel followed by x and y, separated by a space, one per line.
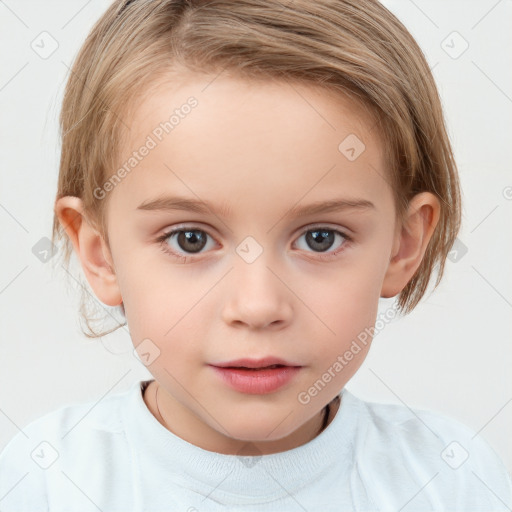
pixel 113 455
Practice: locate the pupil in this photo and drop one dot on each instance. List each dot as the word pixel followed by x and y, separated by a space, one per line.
pixel 187 240
pixel 323 237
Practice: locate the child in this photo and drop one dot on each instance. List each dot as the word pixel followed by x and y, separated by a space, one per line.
pixel 256 130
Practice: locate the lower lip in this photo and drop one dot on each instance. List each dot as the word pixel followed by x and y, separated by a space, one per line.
pixel 257 382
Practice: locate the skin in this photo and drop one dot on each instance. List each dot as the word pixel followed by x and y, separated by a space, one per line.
pixel 258 148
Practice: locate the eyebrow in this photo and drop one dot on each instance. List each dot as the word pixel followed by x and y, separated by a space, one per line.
pixel 184 204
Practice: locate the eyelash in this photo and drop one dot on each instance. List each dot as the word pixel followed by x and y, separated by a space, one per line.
pixel 185 259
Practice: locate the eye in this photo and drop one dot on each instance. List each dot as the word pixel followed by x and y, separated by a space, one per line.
pixel 322 238
pixel 190 240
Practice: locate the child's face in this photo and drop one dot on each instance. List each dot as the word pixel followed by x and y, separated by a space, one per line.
pixel 258 286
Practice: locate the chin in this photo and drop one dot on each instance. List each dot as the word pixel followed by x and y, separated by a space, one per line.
pixel 256 429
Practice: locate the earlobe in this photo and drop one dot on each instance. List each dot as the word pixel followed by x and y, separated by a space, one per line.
pixel 411 242
pixel 91 249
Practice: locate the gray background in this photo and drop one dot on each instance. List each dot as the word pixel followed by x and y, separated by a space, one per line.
pixel 451 355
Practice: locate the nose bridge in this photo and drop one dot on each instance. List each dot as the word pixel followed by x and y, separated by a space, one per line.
pixel 256 296
pixel 252 265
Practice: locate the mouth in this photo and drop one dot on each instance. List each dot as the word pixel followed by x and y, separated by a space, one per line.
pixel 256 376
pixel 271 367
pixel 257 364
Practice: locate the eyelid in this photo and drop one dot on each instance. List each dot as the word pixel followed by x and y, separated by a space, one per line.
pixel 318 225
pixel 347 234
pixel 184 227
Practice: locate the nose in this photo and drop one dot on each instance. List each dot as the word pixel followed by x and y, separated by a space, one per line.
pixel 257 297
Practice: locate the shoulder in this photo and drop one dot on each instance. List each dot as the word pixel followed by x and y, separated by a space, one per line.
pixel 36 459
pixel 440 457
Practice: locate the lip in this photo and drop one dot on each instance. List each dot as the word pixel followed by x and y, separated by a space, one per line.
pixel 254 363
pixel 253 377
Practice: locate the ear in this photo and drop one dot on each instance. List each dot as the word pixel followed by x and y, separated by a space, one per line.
pixel 410 242
pixel 91 249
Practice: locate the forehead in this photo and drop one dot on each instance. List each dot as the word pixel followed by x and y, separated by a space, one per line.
pixel 237 139
pixel 223 98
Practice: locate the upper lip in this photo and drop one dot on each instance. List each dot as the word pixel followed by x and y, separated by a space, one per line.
pixel 255 363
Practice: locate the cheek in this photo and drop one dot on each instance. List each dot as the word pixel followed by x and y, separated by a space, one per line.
pixel 348 307
pixel 351 298
pixel 168 308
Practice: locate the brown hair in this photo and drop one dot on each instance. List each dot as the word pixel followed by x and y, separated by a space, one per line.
pixel 354 47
